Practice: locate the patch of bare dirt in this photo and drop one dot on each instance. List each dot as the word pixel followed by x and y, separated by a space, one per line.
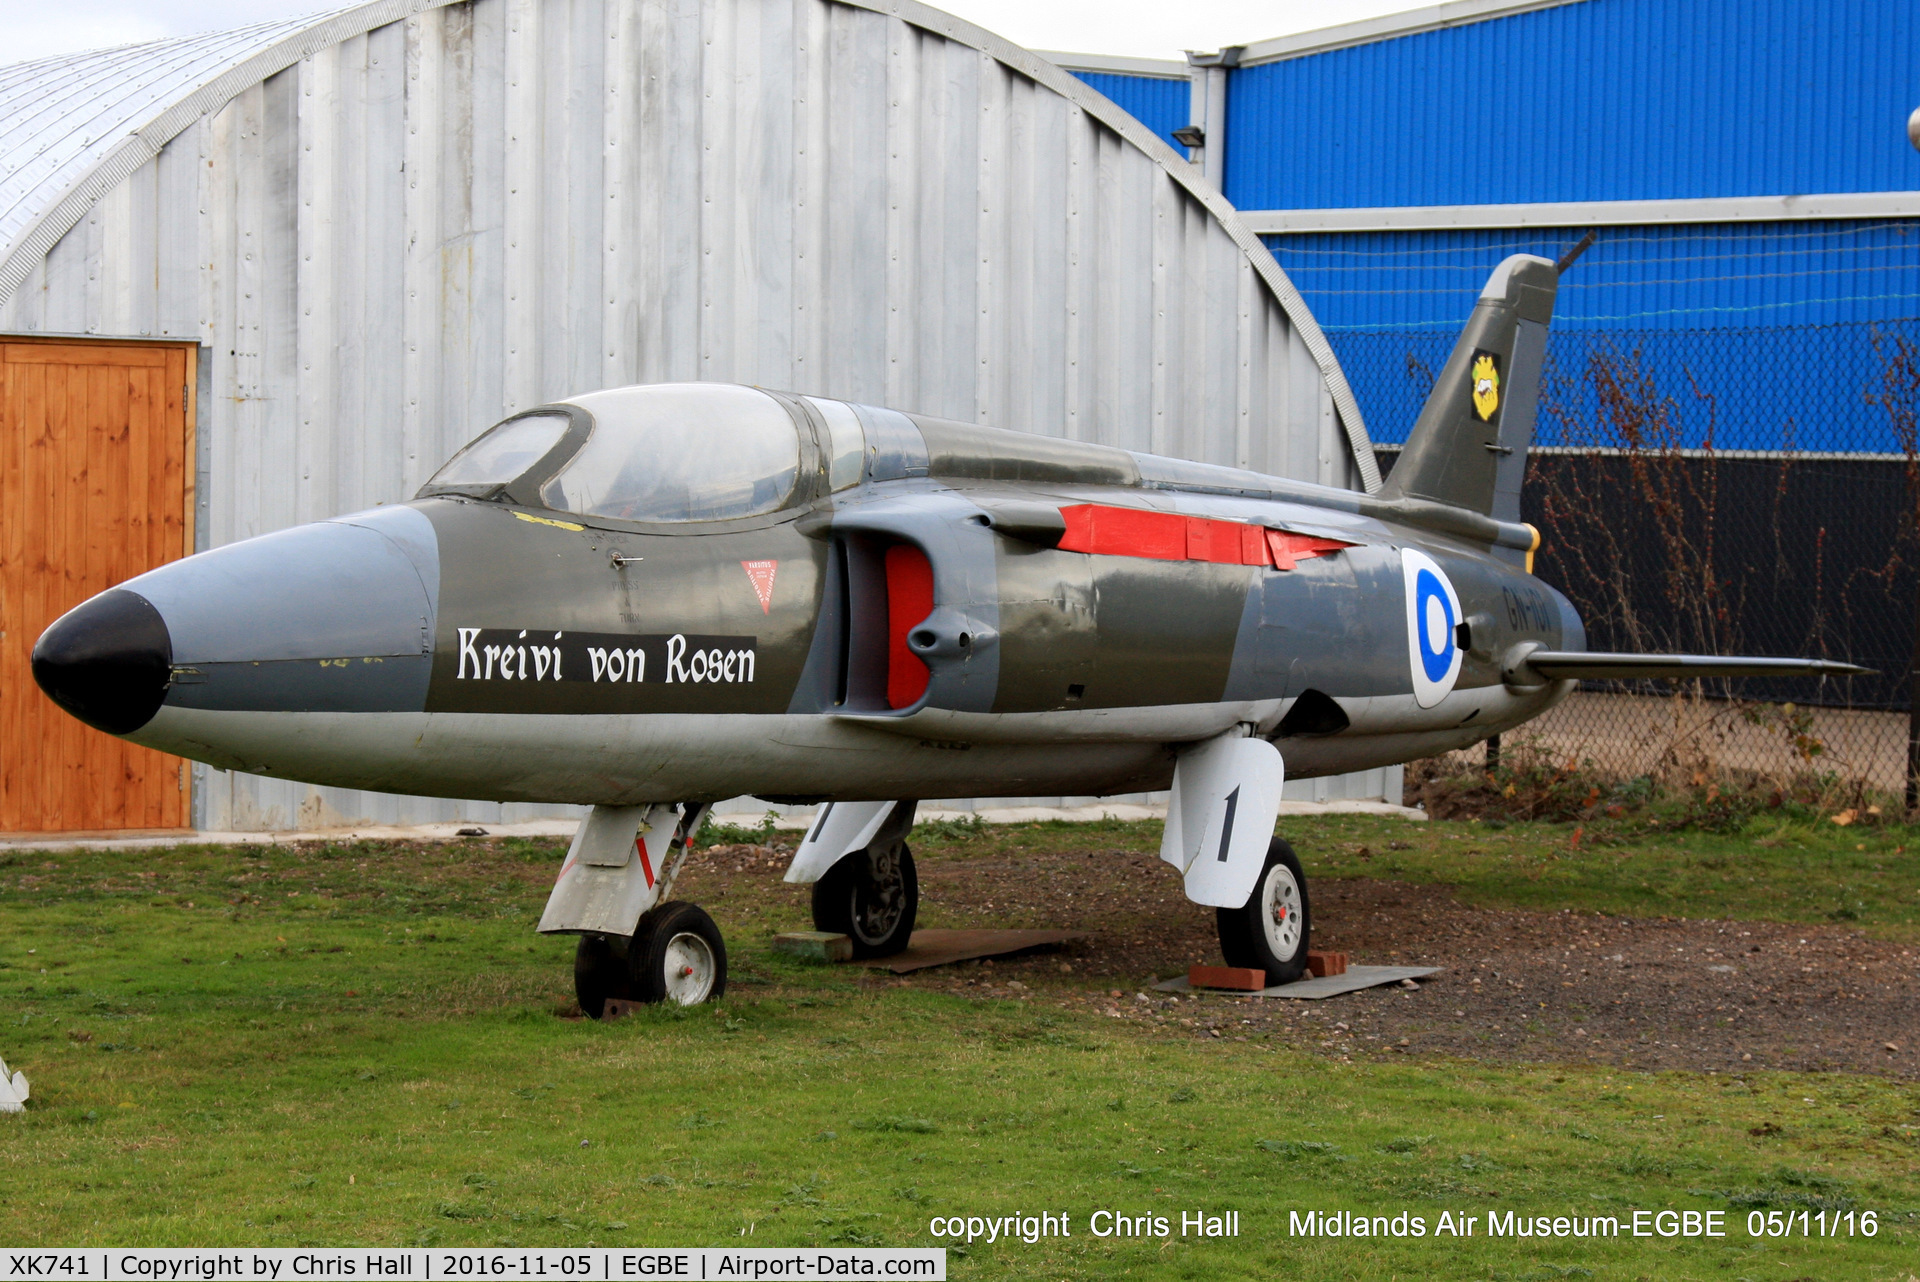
pixel 1518 985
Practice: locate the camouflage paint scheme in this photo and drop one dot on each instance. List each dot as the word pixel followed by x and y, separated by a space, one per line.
pixel 448 645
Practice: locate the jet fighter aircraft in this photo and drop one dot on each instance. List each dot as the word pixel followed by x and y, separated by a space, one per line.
pixel 648 599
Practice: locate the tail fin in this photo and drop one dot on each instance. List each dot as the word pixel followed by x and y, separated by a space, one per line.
pixel 1469 446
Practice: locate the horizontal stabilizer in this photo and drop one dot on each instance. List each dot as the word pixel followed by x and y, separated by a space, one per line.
pixel 1570 665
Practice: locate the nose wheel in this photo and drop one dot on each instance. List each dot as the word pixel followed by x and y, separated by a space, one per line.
pixel 675 955
pixel 1270 932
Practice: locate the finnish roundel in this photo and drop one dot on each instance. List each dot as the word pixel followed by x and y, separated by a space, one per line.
pixel 1433 612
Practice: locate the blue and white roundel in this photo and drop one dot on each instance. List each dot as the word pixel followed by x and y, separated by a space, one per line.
pixel 1433 611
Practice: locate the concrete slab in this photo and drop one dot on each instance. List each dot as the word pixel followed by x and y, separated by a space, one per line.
pixel 1307 809
pixel 370 832
pixel 1156 810
pixel 944 947
pixel 1043 814
pixel 1355 979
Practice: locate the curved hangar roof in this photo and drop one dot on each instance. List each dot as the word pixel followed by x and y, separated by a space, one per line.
pixel 74 128
pixel 74 125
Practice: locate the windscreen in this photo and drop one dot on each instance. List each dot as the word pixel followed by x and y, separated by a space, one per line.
pixel 680 452
pixel 503 452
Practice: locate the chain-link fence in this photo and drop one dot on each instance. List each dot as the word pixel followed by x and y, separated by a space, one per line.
pixel 1731 491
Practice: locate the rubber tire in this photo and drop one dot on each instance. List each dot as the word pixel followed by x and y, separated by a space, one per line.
pixel 1243 939
pixel 648 957
pixel 843 897
pixel 600 971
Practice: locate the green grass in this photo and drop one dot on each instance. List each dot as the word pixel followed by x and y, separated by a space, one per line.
pixel 358 1045
pixel 1771 870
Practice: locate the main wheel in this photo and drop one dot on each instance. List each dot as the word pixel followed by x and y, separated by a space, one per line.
pixel 600 971
pixel 1270 932
pixel 872 897
pixel 678 956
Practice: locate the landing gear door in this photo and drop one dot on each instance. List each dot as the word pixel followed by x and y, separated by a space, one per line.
pixel 841 828
pixel 613 871
pixel 1226 796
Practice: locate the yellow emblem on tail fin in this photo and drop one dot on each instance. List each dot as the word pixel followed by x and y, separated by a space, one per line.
pixel 1486 385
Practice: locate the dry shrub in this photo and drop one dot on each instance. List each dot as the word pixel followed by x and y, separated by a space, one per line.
pixel 1665 544
pixel 1531 784
pixel 1527 784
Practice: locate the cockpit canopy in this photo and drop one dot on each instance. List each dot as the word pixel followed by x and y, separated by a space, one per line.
pixel 685 452
pixel 680 452
pixel 661 452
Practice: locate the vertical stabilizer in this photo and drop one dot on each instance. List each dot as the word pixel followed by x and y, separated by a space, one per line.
pixel 1469 446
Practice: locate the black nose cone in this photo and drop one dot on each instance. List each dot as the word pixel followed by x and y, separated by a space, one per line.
pixel 107 661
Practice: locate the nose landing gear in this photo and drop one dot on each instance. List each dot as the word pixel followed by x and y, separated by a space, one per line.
pixel 675 954
pixel 636 944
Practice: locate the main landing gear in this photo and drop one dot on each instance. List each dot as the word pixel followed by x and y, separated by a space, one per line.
pixel 1270 931
pixel 872 896
pixel 864 883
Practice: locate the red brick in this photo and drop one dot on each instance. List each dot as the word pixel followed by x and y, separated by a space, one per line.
pixel 1245 978
pixel 1322 964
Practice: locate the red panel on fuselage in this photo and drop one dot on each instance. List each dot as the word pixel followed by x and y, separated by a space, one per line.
pixel 909 601
pixel 1168 536
pixel 1123 531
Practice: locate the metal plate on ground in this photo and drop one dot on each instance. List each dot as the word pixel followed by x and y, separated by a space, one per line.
pixel 944 947
pixel 1355 979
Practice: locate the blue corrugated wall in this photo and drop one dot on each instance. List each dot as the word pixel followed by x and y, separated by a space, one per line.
pixel 1600 100
pixel 1675 277
pixel 1761 335
pixel 1160 104
pixel 1791 389
pixel 1758 337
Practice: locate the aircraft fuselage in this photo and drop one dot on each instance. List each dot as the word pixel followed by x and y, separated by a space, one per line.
pixel 936 629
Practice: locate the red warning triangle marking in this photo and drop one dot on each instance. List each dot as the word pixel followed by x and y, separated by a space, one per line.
pixel 760 573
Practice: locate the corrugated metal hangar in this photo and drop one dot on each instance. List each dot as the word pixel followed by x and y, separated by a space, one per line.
pixel 359 240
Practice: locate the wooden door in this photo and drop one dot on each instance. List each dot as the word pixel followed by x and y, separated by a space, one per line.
pixel 96 439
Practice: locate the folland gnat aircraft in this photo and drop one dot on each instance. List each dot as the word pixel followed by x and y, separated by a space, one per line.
pixel 648 599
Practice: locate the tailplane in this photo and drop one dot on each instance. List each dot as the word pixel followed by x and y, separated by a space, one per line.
pixel 1468 448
